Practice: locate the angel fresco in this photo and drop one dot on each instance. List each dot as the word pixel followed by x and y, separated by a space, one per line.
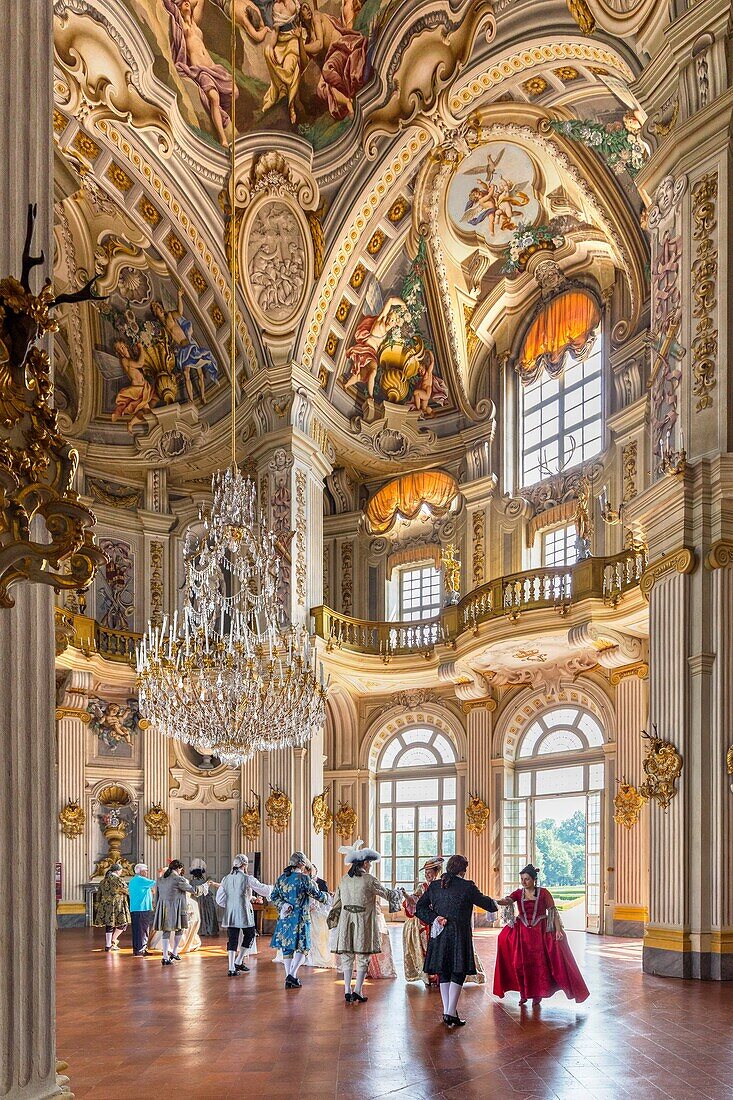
pixel 192 361
pixel 494 198
pixel 390 357
pixel 134 401
pixel 113 723
pixel 193 60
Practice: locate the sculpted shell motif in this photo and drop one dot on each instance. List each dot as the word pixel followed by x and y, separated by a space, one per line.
pixel 277 267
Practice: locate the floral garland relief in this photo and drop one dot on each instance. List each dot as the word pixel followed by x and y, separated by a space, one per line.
pixel 704 277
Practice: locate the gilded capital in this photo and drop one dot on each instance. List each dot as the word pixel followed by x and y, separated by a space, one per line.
pixel 678 561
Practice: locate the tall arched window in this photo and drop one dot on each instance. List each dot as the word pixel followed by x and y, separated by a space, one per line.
pixel 560 393
pixel 416 803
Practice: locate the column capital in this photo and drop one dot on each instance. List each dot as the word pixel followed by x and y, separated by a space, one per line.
pixel 683 560
pixel 636 670
pixel 720 555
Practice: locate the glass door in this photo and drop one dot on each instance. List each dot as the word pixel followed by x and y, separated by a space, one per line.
pixel 593 853
pixel 516 841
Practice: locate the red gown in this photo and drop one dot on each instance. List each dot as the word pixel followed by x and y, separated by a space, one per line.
pixel 531 960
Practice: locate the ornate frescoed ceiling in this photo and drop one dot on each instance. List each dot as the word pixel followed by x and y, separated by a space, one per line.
pixel 406 176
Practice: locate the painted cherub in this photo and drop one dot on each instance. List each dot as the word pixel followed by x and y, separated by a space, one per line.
pixel 109 722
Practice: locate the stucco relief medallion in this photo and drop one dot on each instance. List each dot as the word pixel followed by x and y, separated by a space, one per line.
pixel 277 262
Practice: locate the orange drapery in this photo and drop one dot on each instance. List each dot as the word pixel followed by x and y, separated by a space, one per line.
pixel 405 497
pixel 567 325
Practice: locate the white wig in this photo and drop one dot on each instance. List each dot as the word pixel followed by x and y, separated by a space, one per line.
pixel 140 867
pixel 197 865
pixel 241 860
pixel 357 853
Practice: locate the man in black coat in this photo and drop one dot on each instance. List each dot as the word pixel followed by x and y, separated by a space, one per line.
pixel 447 906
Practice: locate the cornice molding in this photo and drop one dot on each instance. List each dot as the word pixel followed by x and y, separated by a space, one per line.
pixel 683 560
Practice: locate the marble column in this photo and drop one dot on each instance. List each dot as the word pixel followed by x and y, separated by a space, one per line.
pixel 156 792
pixel 478 848
pixel 631 898
pixel 721 792
pixel 72 719
pixel 27 652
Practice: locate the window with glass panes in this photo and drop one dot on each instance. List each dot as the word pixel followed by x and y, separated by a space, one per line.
pixel 561 417
pixel 419 593
pixel 416 803
pixel 558 546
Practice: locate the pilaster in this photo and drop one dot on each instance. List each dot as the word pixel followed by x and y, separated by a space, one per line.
pixel 478 847
pixel 72 719
pixel 631 900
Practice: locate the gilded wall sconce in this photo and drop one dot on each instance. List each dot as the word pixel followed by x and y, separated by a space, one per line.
pixel 38 463
pixel 278 809
pixel 322 816
pixel 157 822
pixel 250 820
pixel 729 764
pixel 73 819
pixel 345 821
pixel 627 805
pixel 663 766
pixel 477 815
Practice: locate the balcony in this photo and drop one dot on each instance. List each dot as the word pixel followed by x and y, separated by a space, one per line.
pixel 559 588
pixel 90 637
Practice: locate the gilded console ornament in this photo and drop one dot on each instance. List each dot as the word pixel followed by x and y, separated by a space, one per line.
pixel 345 821
pixel 729 760
pixel 73 819
pixel 278 809
pixel 663 766
pixel 250 820
pixel 322 816
pixel 477 815
pixel 37 465
pixel 627 805
pixel 451 562
pixel 157 822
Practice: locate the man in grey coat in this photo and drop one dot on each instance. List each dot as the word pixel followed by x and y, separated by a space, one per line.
pixel 235 898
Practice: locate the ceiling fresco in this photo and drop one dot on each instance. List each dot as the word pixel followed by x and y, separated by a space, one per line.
pixel 399 164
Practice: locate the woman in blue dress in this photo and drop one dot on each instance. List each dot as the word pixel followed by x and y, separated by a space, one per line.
pixel 293 893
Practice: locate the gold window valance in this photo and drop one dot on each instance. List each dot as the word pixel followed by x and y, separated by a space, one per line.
pixel 566 327
pixel 405 496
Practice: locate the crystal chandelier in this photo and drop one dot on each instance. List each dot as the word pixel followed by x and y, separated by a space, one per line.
pixel 228 676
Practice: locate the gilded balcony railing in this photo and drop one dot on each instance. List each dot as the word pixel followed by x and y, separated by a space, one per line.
pixel 557 587
pixel 91 637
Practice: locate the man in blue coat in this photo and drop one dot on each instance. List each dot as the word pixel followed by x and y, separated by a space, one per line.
pixel 141 908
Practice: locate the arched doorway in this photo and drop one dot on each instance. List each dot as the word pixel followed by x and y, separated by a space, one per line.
pixel 416 779
pixel 553 811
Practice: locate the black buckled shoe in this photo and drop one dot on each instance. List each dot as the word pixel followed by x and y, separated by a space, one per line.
pixel 241 968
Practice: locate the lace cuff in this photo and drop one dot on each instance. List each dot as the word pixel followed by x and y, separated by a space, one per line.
pixel 508 915
pixel 554 923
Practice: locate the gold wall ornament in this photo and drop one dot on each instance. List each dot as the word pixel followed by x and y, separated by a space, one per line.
pixel 250 820
pixel 729 760
pixel 663 766
pixel 704 279
pixel 157 822
pixel 322 816
pixel 627 805
pixel 477 814
pixel 582 15
pixel 278 809
pixel 73 819
pixel 451 561
pixel 37 464
pixel 345 821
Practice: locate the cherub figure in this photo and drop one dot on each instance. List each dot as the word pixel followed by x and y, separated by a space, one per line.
pixel 113 723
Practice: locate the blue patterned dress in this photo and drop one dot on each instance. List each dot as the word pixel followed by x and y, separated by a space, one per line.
pixel 293 929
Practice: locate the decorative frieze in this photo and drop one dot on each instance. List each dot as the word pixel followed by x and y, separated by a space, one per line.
pixel 704 279
pixel 479 547
pixel 629 470
pixel 347 578
pixel 301 573
pixel 156 583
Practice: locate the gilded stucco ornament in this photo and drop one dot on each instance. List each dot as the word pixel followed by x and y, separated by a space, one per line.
pixel 37 464
pixel 251 819
pixel 663 767
pixel 322 815
pixel 345 820
pixel 627 805
pixel 72 819
pixel 278 808
pixel 477 815
pixel 157 822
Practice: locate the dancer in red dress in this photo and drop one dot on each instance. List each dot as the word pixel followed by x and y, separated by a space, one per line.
pixel 532 953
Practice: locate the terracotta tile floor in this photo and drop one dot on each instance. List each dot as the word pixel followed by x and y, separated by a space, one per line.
pixel 132 1030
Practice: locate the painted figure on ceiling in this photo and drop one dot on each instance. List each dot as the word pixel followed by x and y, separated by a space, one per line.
pixel 341 54
pixel 134 401
pixel 193 60
pixel 191 358
pixel 281 40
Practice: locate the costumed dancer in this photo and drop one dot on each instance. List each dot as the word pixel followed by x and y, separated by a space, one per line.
pixel 112 910
pixel 171 909
pixel 532 952
pixel 415 934
pixel 320 952
pixel 292 893
pixel 354 916
pixel 235 898
pixel 382 964
pixel 207 905
pixel 447 906
pixel 141 908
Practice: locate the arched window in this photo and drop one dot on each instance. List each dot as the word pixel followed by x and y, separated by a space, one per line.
pixel 416 803
pixel 570 731
pixel 560 403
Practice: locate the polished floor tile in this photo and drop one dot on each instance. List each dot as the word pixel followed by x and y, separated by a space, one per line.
pixel 132 1030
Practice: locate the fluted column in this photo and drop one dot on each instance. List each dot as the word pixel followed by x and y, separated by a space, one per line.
pixel 478 781
pixel 631 909
pixel 721 792
pixel 72 719
pixel 156 791
pixel 27 779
